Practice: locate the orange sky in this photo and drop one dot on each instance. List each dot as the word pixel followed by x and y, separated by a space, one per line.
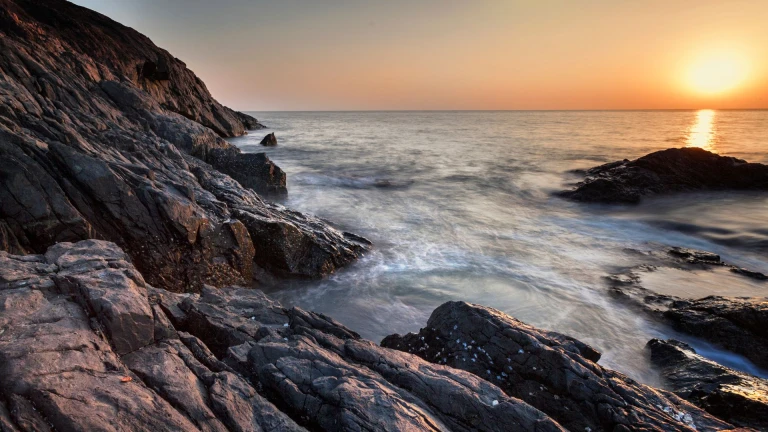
pixel 430 54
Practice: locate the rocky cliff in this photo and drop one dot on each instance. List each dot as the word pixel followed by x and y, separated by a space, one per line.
pixel 104 135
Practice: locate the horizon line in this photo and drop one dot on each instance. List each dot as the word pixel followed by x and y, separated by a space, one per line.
pixel 511 110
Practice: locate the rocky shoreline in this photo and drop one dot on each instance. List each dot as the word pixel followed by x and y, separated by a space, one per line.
pixel 129 228
pixel 87 344
pixel 665 172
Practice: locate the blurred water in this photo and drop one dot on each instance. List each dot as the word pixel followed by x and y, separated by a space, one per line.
pixel 467 214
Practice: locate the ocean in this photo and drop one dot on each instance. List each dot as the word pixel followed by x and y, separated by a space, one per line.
pixel 460 206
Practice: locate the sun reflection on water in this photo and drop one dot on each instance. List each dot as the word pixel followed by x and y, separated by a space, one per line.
pixel 702 132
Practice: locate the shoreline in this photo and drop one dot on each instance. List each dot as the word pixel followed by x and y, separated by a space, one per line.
pixel 129 226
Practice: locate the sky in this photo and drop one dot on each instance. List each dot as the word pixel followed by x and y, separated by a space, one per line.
pixel 464 54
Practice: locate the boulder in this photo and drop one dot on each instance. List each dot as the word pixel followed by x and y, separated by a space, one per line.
pixel 555 373
pixel 269 140
pixel 668 171
pixel 736 397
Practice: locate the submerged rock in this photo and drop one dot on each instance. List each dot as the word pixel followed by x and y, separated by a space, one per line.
pixel 737 324
pixel 734 323
pixel 135 358
pixel 668 171
pixel 736 397
pixel 104 135
pixel 694 256
pixel 269 140
pixel 553 372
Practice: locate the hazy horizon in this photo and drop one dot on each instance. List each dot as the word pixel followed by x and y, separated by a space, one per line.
pixel 457 56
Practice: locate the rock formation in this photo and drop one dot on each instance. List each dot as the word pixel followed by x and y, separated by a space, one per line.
pixel 737 324
pixel 87 344
pixel 734 396
pixel 104 135
pixel 553 372
pixel 113 169
pixel 667 171
pixel 269 140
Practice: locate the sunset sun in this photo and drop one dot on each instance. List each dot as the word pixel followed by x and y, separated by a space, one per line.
pixel 716 73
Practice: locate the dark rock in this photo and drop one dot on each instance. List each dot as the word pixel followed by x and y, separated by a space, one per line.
pixel 269 140
pixel 154 71
pixel 103 135
pixel 733 396
pixel 736 324
pixel 252 170
pixel 249 122
pixel 749 273
pixel 553 372
pixel 325 375
pixel 668 171
pixel 695 256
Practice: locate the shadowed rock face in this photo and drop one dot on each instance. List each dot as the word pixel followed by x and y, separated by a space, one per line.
pixel 736 397
pixel 667 171
pixel 552 372
pixel 104 135
pixel 86 344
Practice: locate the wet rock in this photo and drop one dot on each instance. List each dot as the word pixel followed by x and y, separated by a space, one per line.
pixel 269 140
pixel 668 171
pixel 695 256
pixel 749 273
pixel 733 396
pixel 104 135
pixel 736 324
pixel 327 376
pixel 552 372
pixel 252 170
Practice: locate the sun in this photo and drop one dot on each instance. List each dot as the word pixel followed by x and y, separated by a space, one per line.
pixel 717 73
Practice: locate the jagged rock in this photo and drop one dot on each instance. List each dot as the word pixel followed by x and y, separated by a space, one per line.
pixel 269 140
pixel 736 324
pixel 65 353
pixel 749 273
pixel 553 372
pixel 104 135
pixel 694 256
pixel 55 369
pixel 249 122
pixel 667 171
pixel 736 397
pixel 325 375
pixel 252 170
pixel 66 364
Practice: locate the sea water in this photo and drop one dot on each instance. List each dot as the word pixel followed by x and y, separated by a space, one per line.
pixel 460 206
